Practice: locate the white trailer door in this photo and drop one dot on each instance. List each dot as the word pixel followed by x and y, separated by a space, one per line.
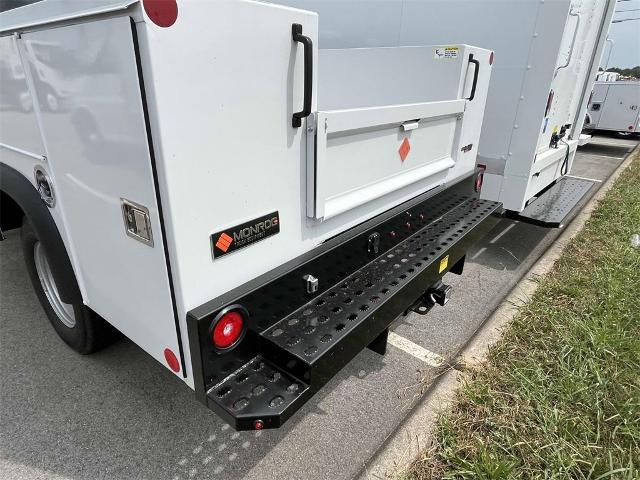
pixel 620 109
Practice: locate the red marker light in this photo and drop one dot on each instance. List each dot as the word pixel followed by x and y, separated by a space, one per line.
pixel 228 330
pixel 480 178
pixel 172 360
pixel 491 58
pixel 258 424
pixel 163 13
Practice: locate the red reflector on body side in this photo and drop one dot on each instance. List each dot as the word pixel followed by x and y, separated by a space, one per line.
pixel 172 360
pixel 491 58
pixel 163 13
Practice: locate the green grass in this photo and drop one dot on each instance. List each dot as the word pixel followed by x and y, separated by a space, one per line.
pixel 559 395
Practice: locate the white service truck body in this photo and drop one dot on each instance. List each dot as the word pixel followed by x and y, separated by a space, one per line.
pixel 194 156
pixel 614 106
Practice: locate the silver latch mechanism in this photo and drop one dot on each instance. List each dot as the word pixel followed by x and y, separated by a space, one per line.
pixel 137 223
pixel 311 283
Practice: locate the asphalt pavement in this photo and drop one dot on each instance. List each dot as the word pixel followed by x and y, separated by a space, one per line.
pixel 118 414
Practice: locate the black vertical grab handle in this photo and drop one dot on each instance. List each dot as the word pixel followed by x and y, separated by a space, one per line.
pixel 296 30
pixel 475 76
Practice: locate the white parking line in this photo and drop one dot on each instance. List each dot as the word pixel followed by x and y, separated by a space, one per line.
pixel 585 178
pixel 480 252
pixel 499 236
pixel 415 350
pixel 601 156
pixel 609 144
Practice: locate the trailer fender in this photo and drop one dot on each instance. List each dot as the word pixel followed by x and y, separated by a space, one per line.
pixel 22 191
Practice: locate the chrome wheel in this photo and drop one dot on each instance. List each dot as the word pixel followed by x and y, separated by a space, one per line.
pixel 64 311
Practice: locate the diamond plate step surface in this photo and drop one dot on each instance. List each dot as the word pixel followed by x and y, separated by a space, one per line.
pixel 307 337
pixel 552 207
pixel 258 391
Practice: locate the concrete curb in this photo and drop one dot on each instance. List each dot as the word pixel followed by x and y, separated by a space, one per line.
pixel 414 434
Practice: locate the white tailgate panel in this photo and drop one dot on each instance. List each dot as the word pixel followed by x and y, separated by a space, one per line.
pixel 358 157
pixel 98 154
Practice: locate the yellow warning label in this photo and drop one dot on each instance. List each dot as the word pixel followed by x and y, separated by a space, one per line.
pixel 445 52
pixel 444 263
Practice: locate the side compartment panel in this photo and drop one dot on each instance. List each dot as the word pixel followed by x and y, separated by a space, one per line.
pixel 98 154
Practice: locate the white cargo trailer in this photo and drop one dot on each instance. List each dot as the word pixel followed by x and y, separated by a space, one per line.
pixel 546 57
pixel 250 209
pixel 614 106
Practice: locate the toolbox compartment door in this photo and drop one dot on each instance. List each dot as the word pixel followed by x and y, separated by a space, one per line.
pixel 358 155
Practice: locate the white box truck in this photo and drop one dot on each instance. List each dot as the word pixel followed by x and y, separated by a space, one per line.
pixel 248 208
pixel 547 54
pixel 615 107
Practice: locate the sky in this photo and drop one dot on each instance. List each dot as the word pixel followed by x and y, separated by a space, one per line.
pixel 626 35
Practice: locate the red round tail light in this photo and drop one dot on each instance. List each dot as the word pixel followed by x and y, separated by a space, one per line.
pixel 228 328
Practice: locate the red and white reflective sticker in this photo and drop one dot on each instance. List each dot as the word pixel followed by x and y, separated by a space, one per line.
pixel 163 13
pixel 404 149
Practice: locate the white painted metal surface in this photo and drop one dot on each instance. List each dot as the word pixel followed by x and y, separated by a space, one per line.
pixel 615 106
pixel 221 85
pixel 98 154
pixel 353 156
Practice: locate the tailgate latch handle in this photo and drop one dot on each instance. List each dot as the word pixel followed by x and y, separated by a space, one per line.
pixel 296 30
pixel 411 125
pixel 476 71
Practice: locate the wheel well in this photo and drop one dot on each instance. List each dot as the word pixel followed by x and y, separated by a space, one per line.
pixel 21 191
pixel 10 213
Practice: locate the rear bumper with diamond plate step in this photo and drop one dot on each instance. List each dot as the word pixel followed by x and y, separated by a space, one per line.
pixel 297 341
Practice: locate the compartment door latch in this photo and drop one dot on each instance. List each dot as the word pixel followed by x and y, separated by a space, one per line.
pixel 137 223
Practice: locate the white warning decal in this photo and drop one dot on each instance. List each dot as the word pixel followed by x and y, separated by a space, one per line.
pixel 445 52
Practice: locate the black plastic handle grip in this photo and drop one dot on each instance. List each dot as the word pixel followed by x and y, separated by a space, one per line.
pixel 475 76
pixel 296 30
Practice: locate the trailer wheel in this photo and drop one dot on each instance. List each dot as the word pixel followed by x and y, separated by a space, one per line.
pixel 80 328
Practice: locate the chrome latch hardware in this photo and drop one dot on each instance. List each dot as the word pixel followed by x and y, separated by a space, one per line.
pixel 311 283
pixel 137 223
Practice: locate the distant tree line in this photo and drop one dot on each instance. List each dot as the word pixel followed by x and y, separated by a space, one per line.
pixel 627 72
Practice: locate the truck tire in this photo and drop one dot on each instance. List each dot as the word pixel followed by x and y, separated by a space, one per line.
pixel 80 328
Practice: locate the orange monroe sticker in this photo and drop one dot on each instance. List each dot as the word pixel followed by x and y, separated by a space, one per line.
pixel 224 242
